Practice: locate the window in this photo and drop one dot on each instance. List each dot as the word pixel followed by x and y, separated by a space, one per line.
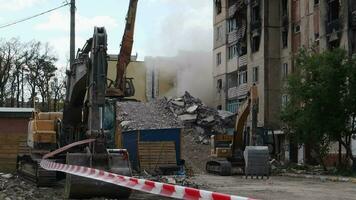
pixel 255 13
pixel 284 7
pixel 232 79
pixel 242 77
pixel 316 2
pixel 218 59
pixel 255 74
pixel 232 50
pixel 334 7
pixel 219 107
pixel 284 38
pixel 255 44
pixel 285 70
pixel 296 28
pixel 231 24
pixel 316 35
pixel 284 100
pixel 219 84
pixel 218 6
pixel 219 33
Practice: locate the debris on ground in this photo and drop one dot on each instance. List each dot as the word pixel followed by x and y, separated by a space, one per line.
pixel 134 115
pixel 196 115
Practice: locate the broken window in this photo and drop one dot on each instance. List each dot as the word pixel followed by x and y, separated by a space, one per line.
pixel 334 6
pixel 232 50
pixel 218 6
pixel 284 7
pixel 255 75
pixel 255 13
pixel 232 79
pixel 296 28
pixel 231 24
pixel 316 2
pixel 284 100
pixel 219 33
pixel 285 38
pixel 218 59
pixel 255 43
pixel 242 77
pixel 284 70
pixel 219 84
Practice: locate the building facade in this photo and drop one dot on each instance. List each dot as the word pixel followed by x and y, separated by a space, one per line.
pixel 256 41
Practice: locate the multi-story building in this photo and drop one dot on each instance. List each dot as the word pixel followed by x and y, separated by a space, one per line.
pixel 255 42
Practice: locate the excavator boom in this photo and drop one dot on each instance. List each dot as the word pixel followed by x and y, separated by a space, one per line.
pixel 124 57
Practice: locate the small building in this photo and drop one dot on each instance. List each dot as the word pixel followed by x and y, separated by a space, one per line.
pixel 13 135
pixel 150 133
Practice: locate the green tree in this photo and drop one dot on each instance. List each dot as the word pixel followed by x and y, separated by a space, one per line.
pixel 321 107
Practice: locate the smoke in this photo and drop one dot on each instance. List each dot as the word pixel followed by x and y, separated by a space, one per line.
pixel 188 71
pixel 181 49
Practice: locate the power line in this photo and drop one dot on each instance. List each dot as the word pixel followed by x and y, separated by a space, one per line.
pixel 33 16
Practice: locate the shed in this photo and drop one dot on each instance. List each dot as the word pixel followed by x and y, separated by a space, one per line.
pixel 152 148
pixel 151 134
pixel 13 134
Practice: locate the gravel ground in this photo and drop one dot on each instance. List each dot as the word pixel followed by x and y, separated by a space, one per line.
pixel 274 188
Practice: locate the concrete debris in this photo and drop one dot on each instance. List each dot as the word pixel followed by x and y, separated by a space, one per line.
pixel 188 117
pixel 7 176
pixel 192 109
pixel 195 113
pixel 141 116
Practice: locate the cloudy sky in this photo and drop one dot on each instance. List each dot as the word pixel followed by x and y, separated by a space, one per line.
pixel 163 27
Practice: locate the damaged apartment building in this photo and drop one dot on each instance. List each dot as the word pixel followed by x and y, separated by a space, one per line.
pixel 256 41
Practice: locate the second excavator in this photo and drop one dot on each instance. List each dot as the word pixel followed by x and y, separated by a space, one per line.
pixel 228 151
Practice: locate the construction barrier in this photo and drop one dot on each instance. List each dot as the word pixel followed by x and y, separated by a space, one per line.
pixel 162 189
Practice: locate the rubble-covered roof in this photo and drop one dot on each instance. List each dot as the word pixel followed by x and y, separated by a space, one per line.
pixel 142 116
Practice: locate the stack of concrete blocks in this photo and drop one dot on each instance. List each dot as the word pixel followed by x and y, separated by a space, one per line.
pixel 257 161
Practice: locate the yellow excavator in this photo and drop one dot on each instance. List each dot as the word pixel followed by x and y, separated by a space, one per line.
pixel 89 113
pixel 227 151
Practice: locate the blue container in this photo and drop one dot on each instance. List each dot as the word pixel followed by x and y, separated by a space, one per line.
pixel 130 141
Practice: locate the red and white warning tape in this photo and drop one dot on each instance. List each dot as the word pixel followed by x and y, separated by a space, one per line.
pixel 162 189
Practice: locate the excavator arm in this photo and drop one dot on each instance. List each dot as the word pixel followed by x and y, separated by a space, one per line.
pixel 123 85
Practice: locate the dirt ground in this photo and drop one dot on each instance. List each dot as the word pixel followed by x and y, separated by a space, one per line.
pixel 280 188
pixel 274 188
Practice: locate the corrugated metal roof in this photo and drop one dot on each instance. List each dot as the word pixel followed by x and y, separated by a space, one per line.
pixel 16 110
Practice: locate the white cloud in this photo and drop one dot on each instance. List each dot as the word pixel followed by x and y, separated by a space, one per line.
pixel 58 21
pixel 17 5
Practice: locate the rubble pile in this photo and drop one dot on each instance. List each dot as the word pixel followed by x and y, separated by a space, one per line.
pixel 12 187
pixel 141 116
pixel 195 114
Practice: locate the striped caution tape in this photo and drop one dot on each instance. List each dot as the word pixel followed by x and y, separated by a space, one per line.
pixel 162 189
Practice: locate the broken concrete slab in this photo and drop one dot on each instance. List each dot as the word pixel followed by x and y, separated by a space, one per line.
pixel 178 103
pixel 192 109
pixel 188 117
pixel 7 176
pixel 225 114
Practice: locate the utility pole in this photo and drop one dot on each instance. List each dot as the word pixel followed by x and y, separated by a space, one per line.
pixel 72 32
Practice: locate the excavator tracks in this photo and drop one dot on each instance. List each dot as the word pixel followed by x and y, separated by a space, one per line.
pixel 30 170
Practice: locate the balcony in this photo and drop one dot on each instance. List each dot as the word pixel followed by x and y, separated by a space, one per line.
pixel 242 90
pixel 232 10
pixel 332 26
pixel 242 60
pixel 232 36
pixel 232 92
pixel 236 7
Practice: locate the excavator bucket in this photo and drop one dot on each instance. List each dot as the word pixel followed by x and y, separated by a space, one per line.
pixel 115 161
